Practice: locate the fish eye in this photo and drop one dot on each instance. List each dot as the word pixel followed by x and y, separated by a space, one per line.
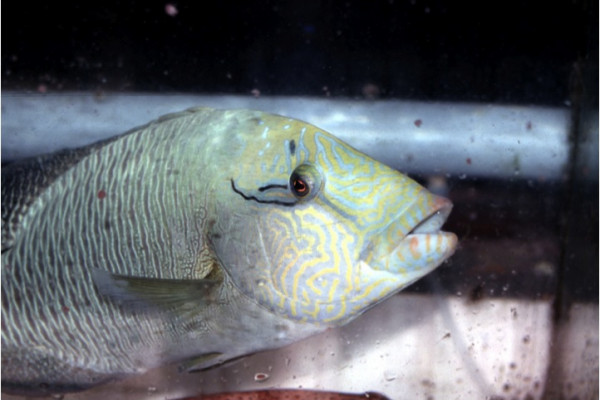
pixel 300 187
pixel 305 181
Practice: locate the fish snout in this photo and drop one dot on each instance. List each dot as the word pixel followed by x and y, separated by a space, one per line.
pixel 412 244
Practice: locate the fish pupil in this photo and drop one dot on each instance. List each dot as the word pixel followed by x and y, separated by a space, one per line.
pixel 300 187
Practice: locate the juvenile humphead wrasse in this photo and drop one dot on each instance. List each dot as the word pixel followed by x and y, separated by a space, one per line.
pixel 198 238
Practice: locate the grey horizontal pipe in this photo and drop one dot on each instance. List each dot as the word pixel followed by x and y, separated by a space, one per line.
pixel 450 139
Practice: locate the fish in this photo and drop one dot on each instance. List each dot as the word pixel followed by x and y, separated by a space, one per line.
pixel 289 394
pixel 196 239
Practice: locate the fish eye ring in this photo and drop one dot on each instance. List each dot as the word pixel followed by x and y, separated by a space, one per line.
pixel 305 181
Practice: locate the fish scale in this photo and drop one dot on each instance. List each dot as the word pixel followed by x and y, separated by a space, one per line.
pixel 198 238
pixel 87 184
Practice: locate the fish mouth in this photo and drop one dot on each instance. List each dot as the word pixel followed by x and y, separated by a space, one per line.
pixel 433 222
pixel 412 244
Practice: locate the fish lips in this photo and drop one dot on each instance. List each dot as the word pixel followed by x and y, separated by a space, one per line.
pixel 412 244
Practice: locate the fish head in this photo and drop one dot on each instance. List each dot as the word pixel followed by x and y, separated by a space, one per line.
pixel 319 231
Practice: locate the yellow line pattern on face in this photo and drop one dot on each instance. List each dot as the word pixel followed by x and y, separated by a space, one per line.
pixel 305 241
pixel 312 259
pixel 368 290
pixel 314 248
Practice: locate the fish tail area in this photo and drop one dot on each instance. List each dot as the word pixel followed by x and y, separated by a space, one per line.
pixel 34 373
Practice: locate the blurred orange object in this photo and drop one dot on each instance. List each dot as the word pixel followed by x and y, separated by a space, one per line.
pixel 288 394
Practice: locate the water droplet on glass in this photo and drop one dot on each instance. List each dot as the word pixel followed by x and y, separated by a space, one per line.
pixel 261 282
pixel 389 375
pixel 261 376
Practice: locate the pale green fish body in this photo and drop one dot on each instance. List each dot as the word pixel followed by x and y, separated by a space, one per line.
pixel 198 238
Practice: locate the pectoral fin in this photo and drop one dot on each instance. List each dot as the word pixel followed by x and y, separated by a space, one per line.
pixel 173 294
pixel 198 363
pixel 207 361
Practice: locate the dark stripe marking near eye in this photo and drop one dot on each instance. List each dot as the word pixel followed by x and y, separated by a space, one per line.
pixel 246 197
pixel 273 186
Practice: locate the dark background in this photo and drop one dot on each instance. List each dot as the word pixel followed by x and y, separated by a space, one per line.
pixel 503 52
